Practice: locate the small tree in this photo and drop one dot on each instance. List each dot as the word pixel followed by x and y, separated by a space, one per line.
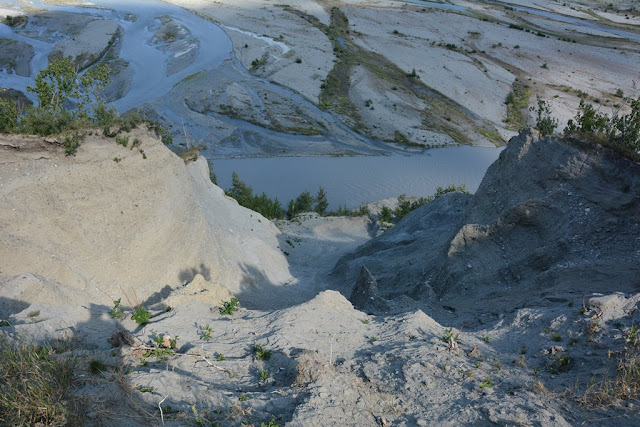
pixel 545 123
pixel 59 85
pixel 56 84
pixel 386 214
pixel 322 203
pixel 291 209
pixel 8 116
pixel 240 191
pixel 304 202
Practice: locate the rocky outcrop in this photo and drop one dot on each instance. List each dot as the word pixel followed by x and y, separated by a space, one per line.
pixel 364 296
pixel 552 219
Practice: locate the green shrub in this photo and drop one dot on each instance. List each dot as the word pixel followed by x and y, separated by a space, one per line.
pixel 545 123
pixel 122 140
pixel 386 214
pixel 117 312
pixel 141 315
pixel 259 353
pixel 72 142
pixel 8 116
pixel 230 307
pixel 620 132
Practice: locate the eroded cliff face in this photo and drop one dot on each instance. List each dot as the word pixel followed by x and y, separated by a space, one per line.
pixel 113 220
pixel 552 219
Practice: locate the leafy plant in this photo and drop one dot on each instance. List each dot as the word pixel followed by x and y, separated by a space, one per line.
pixel 486 383
pixel 117 312
pixel 220 357
pixel 259 353
pixel 229 307
pixel 205 332
pixel 562 363
pixel 164 347
pixel 272 423
pixel 72 142
pixel 449 336
pixel 122 140
pixel 264 375
pixel 141 315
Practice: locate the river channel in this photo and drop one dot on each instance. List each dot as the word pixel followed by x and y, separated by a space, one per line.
pixel 348 180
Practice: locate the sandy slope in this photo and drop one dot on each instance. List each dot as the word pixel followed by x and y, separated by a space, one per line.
pixel 67 221
pixel 143 225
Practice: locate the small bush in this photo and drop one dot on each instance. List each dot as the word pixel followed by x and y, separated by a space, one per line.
pixel 141 315
pixel 117 312
pixel 205 332
pixel 8 116
pixel 230 307
pixel 545 123
pixel 259 353
pixel 386 214
pixel 122 140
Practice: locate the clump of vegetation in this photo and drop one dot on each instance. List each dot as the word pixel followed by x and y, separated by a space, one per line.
pixel 620 132
pixel 36 386
pixel 117 312
pixel 561 363
pixel 141 315
pixel 205 332
pixel 545 123
pixel 122 140
pixel 405 206
pixel 243 193
pixel 259 62
pixel 230 307
pixel 449 336
pixel 68 102
pixel 271 208
pixel 517 101
pixel 259 353
pixel 164 347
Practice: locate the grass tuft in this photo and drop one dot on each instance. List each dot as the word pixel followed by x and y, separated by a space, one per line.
pixel 36 386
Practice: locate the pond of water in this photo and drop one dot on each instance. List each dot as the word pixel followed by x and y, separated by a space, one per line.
pixel 357 180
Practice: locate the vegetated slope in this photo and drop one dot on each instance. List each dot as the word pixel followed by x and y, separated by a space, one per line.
pixel 112 220
pixel 551 220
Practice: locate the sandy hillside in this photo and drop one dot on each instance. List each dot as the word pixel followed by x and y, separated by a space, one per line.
pixel 540 350
pixel 113 221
